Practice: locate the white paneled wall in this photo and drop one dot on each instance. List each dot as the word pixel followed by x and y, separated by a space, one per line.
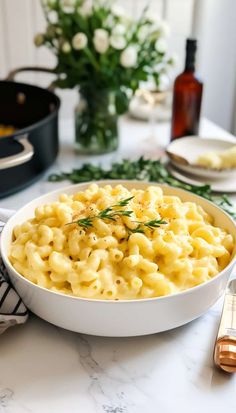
pixel 21 19
pixel 217 60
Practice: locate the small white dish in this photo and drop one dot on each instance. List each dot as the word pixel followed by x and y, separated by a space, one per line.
pixel 189 148
pixel 226 185
pixel 146 105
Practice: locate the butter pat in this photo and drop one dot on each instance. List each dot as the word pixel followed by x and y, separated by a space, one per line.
pixel 218 160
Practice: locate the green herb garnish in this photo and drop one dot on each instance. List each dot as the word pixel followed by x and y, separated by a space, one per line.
pixel 141 170
pixel 84 222
pixel 155 223
pixel 124 202
pixel 110 214
pixel 138 230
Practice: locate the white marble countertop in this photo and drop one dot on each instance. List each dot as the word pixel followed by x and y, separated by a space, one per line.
pixel 44 369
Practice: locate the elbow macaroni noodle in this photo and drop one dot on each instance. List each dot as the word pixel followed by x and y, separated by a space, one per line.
pixel 103 262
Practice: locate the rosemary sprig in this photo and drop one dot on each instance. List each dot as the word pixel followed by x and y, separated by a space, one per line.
pixel 84 222
pixel 140 229
pixel 155 223
pixel 123 202
pixel 108 213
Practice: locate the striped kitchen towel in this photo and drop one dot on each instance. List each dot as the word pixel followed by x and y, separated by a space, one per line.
pixel 12 309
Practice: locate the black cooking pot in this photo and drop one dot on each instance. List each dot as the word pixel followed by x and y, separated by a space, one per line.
pixel 33 111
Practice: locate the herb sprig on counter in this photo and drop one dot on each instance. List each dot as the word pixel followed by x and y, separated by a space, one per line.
pixel 110 214
pixel 141 170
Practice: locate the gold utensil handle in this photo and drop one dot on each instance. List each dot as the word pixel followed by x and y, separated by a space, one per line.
pixel 225 346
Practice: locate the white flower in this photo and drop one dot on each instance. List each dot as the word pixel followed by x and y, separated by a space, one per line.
pixel 119 30
pixel 86 8
pixel 68 6
pixel 143 33
pixel 160 67
pixel 160 27
pixel 79 41
pixel 117 10
pixel 164 82
pixel 117 42
pixel 66 47
pixel 52 17
pixel 161 45
pixel 164 28
pixel 39 39
pixel 109 21
pixel 128 57
pixel 152 17
pixel 101 40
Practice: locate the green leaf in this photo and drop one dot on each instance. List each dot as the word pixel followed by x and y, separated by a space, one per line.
pixel 121 102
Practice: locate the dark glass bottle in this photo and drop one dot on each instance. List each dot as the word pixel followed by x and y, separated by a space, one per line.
pixel 187 97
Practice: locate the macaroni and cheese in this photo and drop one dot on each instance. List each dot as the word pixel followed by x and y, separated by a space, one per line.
pixel 111 259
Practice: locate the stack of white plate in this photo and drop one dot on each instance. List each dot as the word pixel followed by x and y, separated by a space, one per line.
pixel 182 156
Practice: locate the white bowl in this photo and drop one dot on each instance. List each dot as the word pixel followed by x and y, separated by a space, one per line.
pixel 118 318
pixel 191 147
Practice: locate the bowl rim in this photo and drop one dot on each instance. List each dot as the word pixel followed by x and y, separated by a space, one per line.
pixel 58 191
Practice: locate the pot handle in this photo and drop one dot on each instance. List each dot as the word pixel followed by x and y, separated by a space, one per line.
pixel 22 157
pixel 12 74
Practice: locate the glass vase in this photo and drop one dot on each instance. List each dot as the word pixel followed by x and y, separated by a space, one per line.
pixel 96 122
